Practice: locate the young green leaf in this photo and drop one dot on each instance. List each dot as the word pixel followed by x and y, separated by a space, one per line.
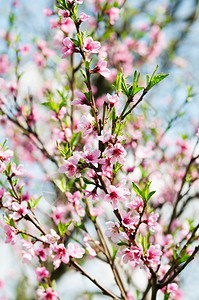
pixel 137 190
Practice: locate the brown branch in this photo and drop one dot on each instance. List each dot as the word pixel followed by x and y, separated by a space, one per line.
pixel 179 197
pixel 83 272
pixel 176 261
pixel 145 91
pixel 111 262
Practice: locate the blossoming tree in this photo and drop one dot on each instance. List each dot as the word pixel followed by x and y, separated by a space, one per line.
pixel 122 188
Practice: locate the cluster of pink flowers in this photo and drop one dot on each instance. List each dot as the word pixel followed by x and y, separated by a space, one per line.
pixel 5 156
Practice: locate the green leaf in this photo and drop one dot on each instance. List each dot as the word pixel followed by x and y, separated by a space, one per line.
pixel 62 228
pixel 79 39
pixel 114 116
pixel 20 191
pixel 81 225
pixel 24 236
pixel 50 104
pixel 114 253
pixel 174 254
pixel 121 243
pixel 137 294
pixel 137 90
pixel 150 195
pixel 75 139
pixel 137 190
pixel 154 79
pixel 4 143
pixel 119 128
pixel 116 167
pixel 84 74
pixel 12 223
pixel 118 81
pixel 9 221
pixel 75 42
pixel 87 181
pixel 184 258
pixel 8 169
pixel 166 295
pixel 35 202
pixel 87 64
pixel 146 189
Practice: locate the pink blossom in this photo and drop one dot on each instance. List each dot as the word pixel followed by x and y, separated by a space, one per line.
pixel 18 171
pixel 69 47
pixel 41 44
pixel 117 153
pixel 29 254
pixel 58 41
pixel 74 198
pixel 130 296
pixel 70 166
pixel 54 23
pixel 112 99
pixel 68 26
pixel 136 204
pixel 174 291
pixel 93 194
pixel 4 64
pixel 197 133
pixel 128 221
pixel 59 213
pixel 113 231
pixel 63 13
pixel 152 221
pixel 90 46
pixel 74 250
pixel 90 156
pixel 61 255
pixel 96 211
pixel 105 136
pixel 82 99
pixel 25 49
pixel 153 256
pixel 83 17
pixel 2 191
pixel 51 237
pixel 113 14
pixel 2 167
pixel 47 12
pixel 101 68
pixel 21 209
pixel 48 52
pixel 11 235
pixel 132 254
pixel 90 250
pixel 1 286
pixel 41 273
pixel 5 155
pixel 86 124
pixel 16 3
pixel 115 194
pixel 47 294
pixel 39 59
pixel 12 87
pixel 42 252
